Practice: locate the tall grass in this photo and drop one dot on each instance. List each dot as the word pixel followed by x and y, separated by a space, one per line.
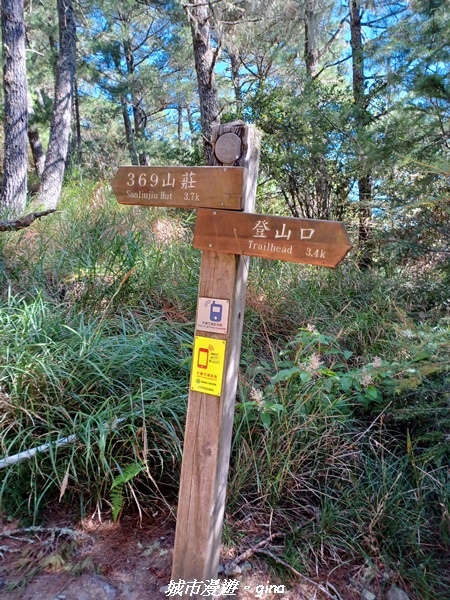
pixel 341 447
pixel 119 387
pixel 92 348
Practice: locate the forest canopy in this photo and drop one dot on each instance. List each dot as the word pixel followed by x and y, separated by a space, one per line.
pixel 352 98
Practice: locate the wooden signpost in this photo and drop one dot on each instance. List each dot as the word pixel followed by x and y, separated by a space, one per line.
pixel 180 187
pixel 308 241
pixel 227 238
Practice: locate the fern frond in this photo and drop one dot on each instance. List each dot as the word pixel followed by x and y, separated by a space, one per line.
pixel 128 473
pixel 117 501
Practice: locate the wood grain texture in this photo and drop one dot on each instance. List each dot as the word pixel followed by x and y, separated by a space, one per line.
pixel 228 148
pixel 209 422
pixel 308 241
pixel 180 187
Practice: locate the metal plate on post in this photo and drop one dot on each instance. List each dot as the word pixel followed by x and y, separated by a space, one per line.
pixel 212 315
pixel 208 363
pixel 228 148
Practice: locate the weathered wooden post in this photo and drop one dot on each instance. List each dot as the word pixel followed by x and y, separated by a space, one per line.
pixel 228 231
pixel 218 334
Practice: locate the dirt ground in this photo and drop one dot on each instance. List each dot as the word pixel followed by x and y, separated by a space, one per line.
pixel 129 560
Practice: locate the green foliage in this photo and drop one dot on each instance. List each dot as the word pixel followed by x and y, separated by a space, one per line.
pixel 342 427
pixel 110 387
pixel 305 153
pixel 95 344
pixel 117 498
pixel 345 451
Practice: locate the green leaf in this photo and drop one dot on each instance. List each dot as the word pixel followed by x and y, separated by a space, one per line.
pixel 363 400
pixel 127 474
pixel 328 372
pixel 116 502
pixel 346 383
pixel 371 393
pixel 266 419
pixel 285 374
pixel 422 356
pixel 347 354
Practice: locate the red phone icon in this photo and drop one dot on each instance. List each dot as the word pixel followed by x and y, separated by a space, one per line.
pixel 202 360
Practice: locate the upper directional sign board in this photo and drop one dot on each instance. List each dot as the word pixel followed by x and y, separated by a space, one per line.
pixel 308 241
pixel 180 187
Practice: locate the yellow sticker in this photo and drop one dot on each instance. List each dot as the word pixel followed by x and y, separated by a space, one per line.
pixel 207 365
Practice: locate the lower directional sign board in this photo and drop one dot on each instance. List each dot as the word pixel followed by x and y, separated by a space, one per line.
pixel 180 187
pixel 307 241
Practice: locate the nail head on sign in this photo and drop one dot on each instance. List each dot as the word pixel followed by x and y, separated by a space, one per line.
pixel 228 148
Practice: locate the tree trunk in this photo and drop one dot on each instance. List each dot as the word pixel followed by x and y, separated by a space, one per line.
pixel 364 179
pixel 52 177
pixel 180 123
pixel 311 39
pixel 235 64
pixel 139 116
pixel 205 59
pixel 190 121
pixel 79 150
pixel 365 217
pixel 129 133
pixel 37 150
pixel 14 190
pixel 357 54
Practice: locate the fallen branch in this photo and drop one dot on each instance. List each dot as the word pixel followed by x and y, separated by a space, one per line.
pixel 319 586
pixel 36 529
pixel 230 567
pixel 26 221
pixel 27 454
pixel 259 548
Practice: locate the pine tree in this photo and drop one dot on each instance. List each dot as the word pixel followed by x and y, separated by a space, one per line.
pixel 14 189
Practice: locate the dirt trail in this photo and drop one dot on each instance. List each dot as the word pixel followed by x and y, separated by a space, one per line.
pixel 114 561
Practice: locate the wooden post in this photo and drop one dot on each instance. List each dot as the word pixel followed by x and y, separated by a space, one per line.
pixel 209 423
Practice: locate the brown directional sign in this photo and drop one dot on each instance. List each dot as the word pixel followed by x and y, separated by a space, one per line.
pixel 308 241
pixel 180 187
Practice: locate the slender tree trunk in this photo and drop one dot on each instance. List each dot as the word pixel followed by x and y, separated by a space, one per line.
pixel 139 116
pixel 364 179
pixel 357 53
pixel 77 123
pixel 365 217
pixel 129 131
pixel 14 190
pixel 180 123
pixel 37 149
pixel 320 195
pixel 129 134
pixel 205 59
pixel 311 40
pixel 190 121
pixel 234 60
pixel 52 178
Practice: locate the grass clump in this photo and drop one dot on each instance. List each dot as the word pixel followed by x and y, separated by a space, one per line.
pixel 115 388
pixel 342 450
pixel 95 340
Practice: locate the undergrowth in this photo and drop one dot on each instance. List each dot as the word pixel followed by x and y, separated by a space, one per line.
pixel 342 417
